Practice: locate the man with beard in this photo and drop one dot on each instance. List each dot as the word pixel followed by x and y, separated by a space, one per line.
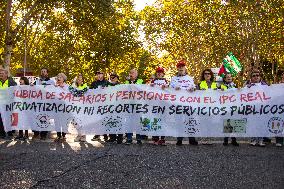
pixel 43 80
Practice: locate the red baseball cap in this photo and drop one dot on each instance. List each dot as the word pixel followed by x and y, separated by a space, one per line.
pixel 160 69
pixel 181 63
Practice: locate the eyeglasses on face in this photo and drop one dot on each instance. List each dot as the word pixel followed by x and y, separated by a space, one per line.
pixel 206 73
pixel 255 75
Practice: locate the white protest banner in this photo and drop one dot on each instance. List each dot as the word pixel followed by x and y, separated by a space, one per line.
pixel 3 95
pixel 258 111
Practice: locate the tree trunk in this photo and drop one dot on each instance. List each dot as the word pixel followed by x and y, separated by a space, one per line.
pixel 8 53
pixel 8 40
pixel 10 34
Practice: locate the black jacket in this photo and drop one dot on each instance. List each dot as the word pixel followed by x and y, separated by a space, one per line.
pixel 113 84
pixel 96 84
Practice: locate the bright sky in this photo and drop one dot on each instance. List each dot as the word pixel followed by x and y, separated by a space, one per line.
pixel 140 4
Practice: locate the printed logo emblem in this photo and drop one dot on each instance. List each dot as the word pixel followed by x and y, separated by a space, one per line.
pixel 234 125
pixel 148 125
pixel 275 125
pixel 14 119
pixel 112 123
pixel 191 126
pixel 43 121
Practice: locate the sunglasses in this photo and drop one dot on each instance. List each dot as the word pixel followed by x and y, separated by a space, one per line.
pixel 207 74
pixel 255 75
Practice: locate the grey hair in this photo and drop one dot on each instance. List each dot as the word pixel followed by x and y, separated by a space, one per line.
pixel 63 76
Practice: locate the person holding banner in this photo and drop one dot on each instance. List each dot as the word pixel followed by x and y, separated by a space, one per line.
pixel 114 80
pixel 228 84
pixel 160 81
pixel 79 87
pixel 133 79
pixel 5 82
pixel 279 140
pixel 183 81
pixel 43 80
pixel 23 81
pixel 207 83
pixel 255 80
pixel 100 82
pixel 61 82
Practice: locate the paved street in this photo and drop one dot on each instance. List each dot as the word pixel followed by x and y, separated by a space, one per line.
pixel 95 165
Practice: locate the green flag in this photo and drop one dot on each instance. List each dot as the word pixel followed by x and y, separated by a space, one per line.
pixel 232 64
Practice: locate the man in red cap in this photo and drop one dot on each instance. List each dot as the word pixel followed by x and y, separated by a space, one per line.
pixel 183 81
pixel 181 63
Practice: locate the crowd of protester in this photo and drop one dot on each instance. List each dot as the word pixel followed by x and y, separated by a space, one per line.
pixel 181 81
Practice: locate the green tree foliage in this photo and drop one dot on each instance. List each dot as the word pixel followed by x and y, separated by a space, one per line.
pixel 79 37
pixel 83 36
pixel 203 32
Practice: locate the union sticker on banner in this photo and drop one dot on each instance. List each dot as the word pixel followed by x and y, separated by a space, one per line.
pixel 234 125
pixel 14 119
pixel 44 121
pixel 192 126
pixel 112 124
pixel 276 125
pixel 149 125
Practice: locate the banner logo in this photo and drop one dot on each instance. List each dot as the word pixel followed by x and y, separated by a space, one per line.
pixel 43 121
pixel 112 123
pixel 14 119
pixel 148 125
pixel 234 125
pixel 191 126
pixel 275 125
